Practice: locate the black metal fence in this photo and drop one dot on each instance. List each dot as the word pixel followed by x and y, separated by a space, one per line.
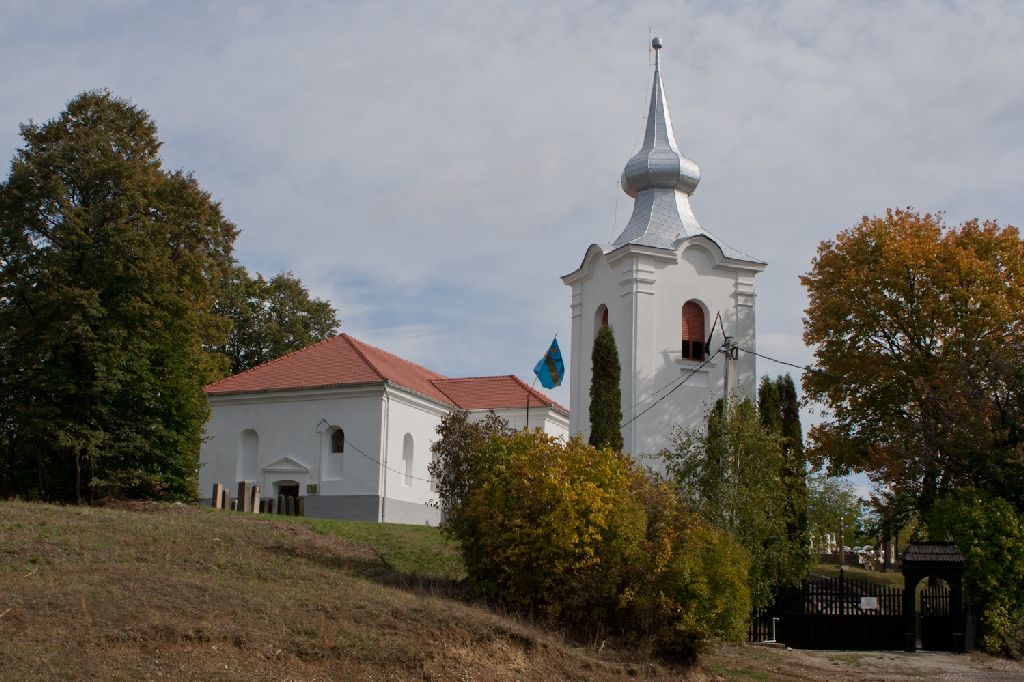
pixel 833 613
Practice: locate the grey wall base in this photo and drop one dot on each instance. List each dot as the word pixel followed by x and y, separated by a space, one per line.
pixel 347 507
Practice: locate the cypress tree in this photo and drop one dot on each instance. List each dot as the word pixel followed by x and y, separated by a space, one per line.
pixel 605 392
pixel 780 412
pixel 794 472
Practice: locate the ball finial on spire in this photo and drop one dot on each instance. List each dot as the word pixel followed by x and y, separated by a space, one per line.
pixel 656 43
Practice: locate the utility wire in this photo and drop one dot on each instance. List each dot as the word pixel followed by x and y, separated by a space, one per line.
pixel 383 466
pixel 803 368
pixel 718 321
pixel 674 389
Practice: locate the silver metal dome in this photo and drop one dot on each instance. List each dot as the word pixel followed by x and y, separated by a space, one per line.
pixel 659 162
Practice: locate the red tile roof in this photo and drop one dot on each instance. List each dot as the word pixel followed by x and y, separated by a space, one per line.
pixel 489 393
pixel 338 361
pixel 346 361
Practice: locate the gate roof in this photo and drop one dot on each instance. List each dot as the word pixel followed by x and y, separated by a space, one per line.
pixel 933 554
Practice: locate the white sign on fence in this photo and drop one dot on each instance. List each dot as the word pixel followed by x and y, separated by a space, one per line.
pixel 869 603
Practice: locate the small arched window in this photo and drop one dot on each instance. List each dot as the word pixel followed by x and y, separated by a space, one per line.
pixel 600 318
pixel 693 331
pixel 407 459
pixel 337 441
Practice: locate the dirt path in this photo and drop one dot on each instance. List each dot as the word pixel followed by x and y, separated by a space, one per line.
pixel 748 662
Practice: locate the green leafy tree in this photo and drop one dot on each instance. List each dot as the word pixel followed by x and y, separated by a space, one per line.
pixel 832 505
pixel 780 413
pixel 730 473
pixel 605 392
pixel 270 318
pixel 991 536
pixel 917 332
pixel 108 275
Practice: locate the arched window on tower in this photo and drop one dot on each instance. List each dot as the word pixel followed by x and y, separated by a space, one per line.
pixel 693 331
pixel 337 441
pixel 600 318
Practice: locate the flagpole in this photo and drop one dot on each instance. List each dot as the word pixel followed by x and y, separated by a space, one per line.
pixel 528 392
pixel 555 370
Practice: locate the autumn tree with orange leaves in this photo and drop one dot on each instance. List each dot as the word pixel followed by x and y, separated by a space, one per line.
pixel 918 330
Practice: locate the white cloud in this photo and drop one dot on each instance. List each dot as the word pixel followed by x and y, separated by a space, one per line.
pixel 434 168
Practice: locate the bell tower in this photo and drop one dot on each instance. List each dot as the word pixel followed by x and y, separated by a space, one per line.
pixel 664 286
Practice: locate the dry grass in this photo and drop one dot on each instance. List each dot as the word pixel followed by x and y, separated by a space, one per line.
pixel 152 591
pixel 156 591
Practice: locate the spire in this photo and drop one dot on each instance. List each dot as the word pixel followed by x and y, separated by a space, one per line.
pixel 659 162
pixel 659 178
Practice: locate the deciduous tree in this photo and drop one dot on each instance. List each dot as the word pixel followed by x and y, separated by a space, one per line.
pixel 918 333
pixel 109 270
pixel 270 318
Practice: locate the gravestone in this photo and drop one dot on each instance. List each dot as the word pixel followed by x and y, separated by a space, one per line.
pixel 280 505
pixel 234 505
pixel 225 499
pixel 216 500
pixel 255 499
pixel 290 502
pixel 300 506
pixel 245 496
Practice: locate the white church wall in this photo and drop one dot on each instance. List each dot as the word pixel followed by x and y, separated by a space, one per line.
pixel 700 276
pixel 599 286
pixel 290 428
pixel 540 416
pixel 406 488
pixel 644 291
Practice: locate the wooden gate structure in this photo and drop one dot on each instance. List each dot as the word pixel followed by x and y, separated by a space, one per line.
pixel 942 615
pixel 845 614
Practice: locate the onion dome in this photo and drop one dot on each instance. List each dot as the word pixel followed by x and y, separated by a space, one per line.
pixel 659 162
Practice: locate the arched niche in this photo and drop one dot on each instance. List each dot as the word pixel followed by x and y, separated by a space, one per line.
pixel 248 455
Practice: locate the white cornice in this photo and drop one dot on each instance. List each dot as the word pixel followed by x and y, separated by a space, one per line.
pixel 375 389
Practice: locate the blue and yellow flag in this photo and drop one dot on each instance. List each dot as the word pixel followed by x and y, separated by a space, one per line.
pixel 550 369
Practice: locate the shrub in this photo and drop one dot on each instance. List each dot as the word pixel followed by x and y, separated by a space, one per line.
pixel 456 460
pixel 690 588
pixel 991 536
pixel 584 539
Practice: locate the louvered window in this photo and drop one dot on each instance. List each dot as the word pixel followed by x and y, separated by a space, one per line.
pixel 693 331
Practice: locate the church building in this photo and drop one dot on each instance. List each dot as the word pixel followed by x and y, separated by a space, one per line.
pixel 349 426
pixel 680 302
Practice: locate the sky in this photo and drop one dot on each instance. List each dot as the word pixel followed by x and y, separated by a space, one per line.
pixel 433 168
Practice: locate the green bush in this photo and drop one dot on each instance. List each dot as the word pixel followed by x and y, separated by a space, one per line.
pixel 690 588
pixel 584 539
pixel 991 536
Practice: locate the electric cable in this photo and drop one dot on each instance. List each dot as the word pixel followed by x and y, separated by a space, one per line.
pixel 674 389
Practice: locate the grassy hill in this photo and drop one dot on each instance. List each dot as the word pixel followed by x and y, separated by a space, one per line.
pixel 157 591
pixel 152 590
